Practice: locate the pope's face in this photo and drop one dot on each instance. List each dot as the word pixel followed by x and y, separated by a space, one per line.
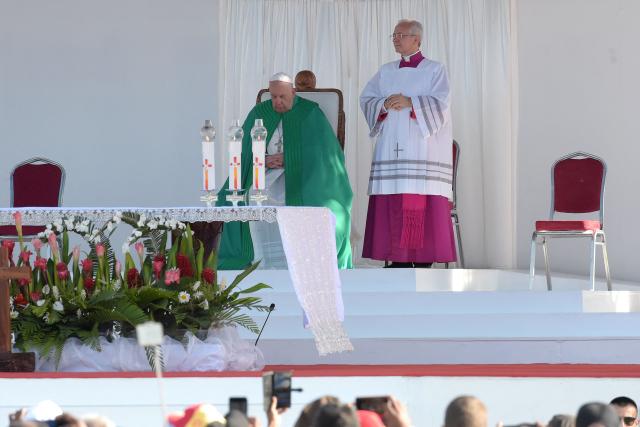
pixel 405 43
pixel 282 95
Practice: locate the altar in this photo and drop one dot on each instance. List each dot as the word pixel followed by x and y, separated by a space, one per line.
pixel 308 236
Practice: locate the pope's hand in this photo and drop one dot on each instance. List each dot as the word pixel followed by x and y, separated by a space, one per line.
pixel 274 161
pixel 397 102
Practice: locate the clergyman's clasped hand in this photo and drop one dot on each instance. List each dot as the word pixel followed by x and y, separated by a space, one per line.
pixel 397 101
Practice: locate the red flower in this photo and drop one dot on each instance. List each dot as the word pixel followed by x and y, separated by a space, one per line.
pixel 87 265
pixel 158 264
pixel 208 275
pixel 23 282
pixel 184 265
pixel 35 296
pixel 133 277
pixel 89 282
pixel 41 263
pixel 9 244
pixel 20 300
pixel 25 255
pixel 63 272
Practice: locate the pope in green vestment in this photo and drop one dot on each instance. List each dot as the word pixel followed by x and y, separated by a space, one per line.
pixel 314 171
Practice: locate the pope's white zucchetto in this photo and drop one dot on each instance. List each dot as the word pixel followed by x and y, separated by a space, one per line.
pixel 281 77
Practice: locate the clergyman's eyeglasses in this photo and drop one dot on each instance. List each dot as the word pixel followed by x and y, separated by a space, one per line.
pixel 400 36
pixel 628 421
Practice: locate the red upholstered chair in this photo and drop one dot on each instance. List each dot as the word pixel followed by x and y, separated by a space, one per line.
pixel 35 182
pixel 454 205
pixel 577 187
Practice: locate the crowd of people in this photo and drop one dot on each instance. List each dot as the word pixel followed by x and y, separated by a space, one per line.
pixel 329 411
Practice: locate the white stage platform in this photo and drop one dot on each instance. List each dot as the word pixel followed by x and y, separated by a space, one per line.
pixel 439 316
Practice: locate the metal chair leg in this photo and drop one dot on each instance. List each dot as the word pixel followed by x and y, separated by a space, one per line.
pixel 605 258
pixel 459 241
pixel 532 261
pixel 547 271
pixel 592 266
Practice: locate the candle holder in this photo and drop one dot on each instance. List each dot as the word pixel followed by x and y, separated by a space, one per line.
pixel 235 197
pixel 210 197
pixel 258 197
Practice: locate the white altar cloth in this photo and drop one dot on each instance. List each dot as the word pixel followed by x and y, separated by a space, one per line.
pixel 308 238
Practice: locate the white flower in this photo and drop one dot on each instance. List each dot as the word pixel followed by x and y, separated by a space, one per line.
pixel 196 285
pixel 46 317
pixel 223 284
pixel 14 314
pixel 142 220
pixel 184 297
pixel 69 224
pixel 109 226
pixel 205 304
pixel 57 306
pixel 96 240
pixel 137 233
pixel 172 223
pixel 79 313
pixel 10 301
pixel 83 294
pixel 117 285
pixel 47 233
pixel 198 295
pixel 41 235
pixel 181 225
pixel 152 225
pixel 56 292
pixel 46 289
pixel 85 222
pixel 117 217
pixel 40 302
pixel 49 227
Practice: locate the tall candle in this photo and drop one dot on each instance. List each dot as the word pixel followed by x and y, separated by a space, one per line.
pixel 258 148
pixel 234 137
pixel 208 156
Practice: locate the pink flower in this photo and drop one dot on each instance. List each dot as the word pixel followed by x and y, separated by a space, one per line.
pixel 118 268
pixel 9 244
pixel 208 275
pixel 53 243
pixel 35 296
pixel 17 217
pixel 76 254
pixel 24 256
pixel 89 283
pixel 172 275
pixel 23 282
pixel 139 247
pixel 40 263
pixel 87 265
pixel 100 250
pixel 158 264
pixel 37 244
pixel 63 272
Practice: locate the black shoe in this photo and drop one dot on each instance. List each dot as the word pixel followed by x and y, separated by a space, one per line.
pixel 422 264
pixel 400 265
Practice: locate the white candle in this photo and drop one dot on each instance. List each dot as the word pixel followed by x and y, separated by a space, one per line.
pixel 258 148
pixel 235 157
pixel 208 156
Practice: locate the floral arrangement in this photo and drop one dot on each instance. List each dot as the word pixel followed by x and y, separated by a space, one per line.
pixel 91 294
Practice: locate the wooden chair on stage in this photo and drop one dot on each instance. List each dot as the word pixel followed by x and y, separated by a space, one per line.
pixel 454 205
pixel 577 187
pixel 34 182
pixel 330 102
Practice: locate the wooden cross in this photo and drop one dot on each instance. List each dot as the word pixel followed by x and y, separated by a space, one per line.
pixel 397 150
pixel 11 362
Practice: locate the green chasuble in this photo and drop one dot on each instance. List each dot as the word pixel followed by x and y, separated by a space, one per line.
pixel 314 172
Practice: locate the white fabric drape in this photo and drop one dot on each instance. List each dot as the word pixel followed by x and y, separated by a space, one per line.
pixel 344 42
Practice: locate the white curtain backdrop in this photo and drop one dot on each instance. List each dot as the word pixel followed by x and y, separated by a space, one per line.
pixel 344 42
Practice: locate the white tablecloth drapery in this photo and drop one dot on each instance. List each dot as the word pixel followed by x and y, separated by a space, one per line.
pixel 308 238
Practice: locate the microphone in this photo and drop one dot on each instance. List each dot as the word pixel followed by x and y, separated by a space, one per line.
pixel 271 308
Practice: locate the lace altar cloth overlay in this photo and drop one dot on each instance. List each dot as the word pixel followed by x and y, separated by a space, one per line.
pixel 42 216
pixel 308 240
pixel 221 350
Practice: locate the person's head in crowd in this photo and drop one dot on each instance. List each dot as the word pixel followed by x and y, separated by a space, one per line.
pixel 305 80
pixel 596 414
pixel 199 414
pixel 562 421
pixel 306 417
pixel 282 92
pixel 332 415
pixel 95 420
pixel 68 420
pixel 25 423
pixel 44 412
pixel 369 419
pixel 627 410
pixel 465 411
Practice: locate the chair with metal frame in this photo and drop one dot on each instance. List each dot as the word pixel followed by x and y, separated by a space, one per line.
pixel 577 187
pixel 454 204
pixel 34 182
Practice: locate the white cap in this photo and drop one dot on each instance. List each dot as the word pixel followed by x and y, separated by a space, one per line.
pixel 281 77
pixel 46 410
